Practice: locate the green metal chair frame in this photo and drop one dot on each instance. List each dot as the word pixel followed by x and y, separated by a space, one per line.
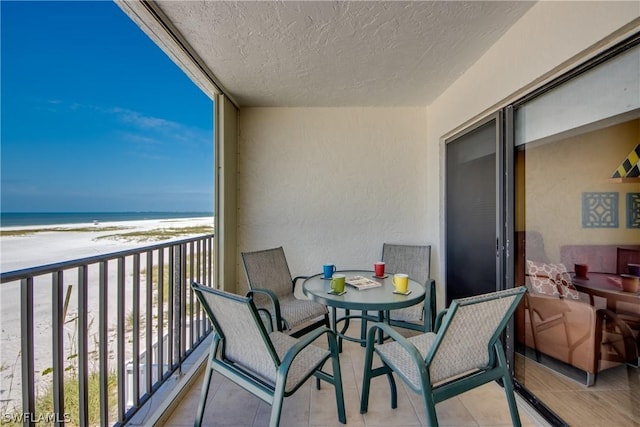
pixel 464 353
pixel 270 366
pixel 269 279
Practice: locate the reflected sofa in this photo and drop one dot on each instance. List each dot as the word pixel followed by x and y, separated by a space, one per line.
pixel 612 259
pixel 560 322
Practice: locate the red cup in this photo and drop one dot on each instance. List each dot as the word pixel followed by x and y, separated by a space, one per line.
pixel 378 267
pixel 581 270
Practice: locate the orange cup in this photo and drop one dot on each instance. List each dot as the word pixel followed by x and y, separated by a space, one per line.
pixel 630 283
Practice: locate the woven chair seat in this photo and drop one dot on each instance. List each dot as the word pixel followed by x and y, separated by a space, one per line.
pixel 408 314
pixel 401 361
pixel 307 361
pixel 297 312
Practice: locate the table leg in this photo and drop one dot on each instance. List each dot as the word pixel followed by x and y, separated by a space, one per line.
pixel 380 333
pixel 341 333
pixel 334 326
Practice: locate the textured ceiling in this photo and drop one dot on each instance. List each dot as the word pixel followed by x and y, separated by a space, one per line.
pixel 321 53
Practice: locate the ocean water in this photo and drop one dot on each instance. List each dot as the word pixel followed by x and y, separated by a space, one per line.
pixel 13 219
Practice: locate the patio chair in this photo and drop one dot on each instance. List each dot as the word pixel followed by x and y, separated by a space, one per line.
pixel 273 288
pixel 271 366
pixel 415 261
pixel 464 352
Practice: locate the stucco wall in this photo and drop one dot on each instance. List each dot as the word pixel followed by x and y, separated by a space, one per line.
pixel 556 176
pixel 334 184
pixel 549 38
pixel 331 184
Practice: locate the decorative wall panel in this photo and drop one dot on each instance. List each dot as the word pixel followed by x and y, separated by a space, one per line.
pixel 600 210
pixel 633 210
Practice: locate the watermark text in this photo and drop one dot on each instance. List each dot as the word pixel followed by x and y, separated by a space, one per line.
pixel 26 417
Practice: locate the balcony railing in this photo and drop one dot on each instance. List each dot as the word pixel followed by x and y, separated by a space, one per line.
pixel 92 339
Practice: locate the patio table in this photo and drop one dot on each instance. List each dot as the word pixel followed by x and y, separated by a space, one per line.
pixel 602 285
pixel 380 299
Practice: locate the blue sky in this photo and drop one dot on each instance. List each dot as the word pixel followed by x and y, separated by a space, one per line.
pixel 95 117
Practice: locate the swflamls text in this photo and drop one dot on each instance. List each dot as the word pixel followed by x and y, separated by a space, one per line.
pixel 23 417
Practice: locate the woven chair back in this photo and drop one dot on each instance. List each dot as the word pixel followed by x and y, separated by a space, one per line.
pixel 268 269
pixel 413 260
pixel 472 326
pixel 245 341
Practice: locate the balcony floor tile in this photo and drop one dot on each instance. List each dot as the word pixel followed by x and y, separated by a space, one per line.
pixel 230 405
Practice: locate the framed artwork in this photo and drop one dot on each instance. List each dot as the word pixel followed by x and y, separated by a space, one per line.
pixel 600 209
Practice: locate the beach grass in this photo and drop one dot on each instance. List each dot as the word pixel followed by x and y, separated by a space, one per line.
pixel 167 280
pixel 44 403
pixel 71 402
pixel 159 233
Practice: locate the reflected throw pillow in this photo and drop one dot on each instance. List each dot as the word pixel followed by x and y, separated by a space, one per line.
pixel 567 289
pixel 543 278
pixel 551 279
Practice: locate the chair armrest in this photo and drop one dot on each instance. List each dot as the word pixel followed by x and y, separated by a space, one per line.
pixel 396 336
pixel 309 338
pixel 274 301
pixel 304 342
pixel 439 318
pixel 547 306
pixel 295 281
pixel 429 315
pixel 625 330
pixel 629 341
pixel 549 310
pixel 268 317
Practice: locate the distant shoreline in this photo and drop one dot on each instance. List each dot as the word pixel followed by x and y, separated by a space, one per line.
pixel 64 242
pixel 26 219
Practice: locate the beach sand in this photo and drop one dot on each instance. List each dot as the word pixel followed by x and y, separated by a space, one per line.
pixel 55 246
pixel 42 248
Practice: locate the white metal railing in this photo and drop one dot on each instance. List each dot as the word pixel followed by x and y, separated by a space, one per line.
pixel 88 331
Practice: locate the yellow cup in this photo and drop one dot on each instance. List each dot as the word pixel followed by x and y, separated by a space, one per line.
pixel 337 283
pixel 401 282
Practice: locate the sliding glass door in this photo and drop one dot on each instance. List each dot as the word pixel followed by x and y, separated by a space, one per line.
pixel 558 192
pixel 472 230
pixel 577 203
